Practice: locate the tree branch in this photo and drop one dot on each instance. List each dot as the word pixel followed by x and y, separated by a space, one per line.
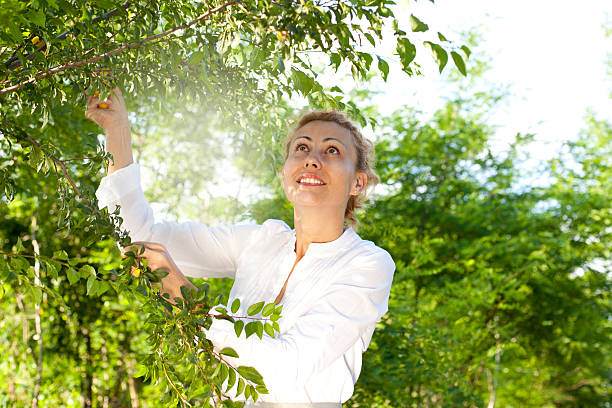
pixel 37 324
pixel 186 341
pixel 13 63
pixel 181 396
pixel 65 67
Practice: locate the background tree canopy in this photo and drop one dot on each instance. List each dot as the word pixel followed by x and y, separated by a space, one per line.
pixel 502 290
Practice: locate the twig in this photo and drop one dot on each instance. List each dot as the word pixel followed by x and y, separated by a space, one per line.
pixel 181 396
pixel 186 341
pixel 65 67
pixel 36 257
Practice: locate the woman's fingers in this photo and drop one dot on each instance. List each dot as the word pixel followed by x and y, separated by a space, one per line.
pixel 155 254
pixel 108 113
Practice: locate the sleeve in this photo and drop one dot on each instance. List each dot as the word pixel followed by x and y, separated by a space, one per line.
pixel 198 250
pixel 348 311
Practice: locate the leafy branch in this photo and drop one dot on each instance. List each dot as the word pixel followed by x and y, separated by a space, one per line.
pixel 13 63
pixel 118 50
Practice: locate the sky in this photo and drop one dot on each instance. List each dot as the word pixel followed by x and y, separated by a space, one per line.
pixel 551 54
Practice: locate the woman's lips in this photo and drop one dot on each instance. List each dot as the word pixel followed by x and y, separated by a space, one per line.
pixel 310 180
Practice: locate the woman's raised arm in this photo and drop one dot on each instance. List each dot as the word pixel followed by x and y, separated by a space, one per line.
pixel 198 250
pixel 111 116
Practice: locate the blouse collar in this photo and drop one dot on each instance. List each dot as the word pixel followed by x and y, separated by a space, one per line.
pixel 325 248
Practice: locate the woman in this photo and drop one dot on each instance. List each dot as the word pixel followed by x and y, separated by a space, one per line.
pixel 333 286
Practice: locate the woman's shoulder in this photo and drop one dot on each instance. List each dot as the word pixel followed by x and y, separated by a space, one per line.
pixel 366 254
pixel 273 230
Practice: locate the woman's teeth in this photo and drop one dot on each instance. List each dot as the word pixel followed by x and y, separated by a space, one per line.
pixel 310 181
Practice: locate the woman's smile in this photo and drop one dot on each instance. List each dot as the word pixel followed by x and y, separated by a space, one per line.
pixel 309 179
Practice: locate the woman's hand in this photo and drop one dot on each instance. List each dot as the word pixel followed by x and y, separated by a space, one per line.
pixel 158 258
pixel 111 115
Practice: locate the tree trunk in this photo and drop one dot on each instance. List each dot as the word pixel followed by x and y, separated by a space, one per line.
pixel 87 383
pixel 37 325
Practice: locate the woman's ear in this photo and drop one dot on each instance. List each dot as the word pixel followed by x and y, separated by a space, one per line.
pixel 359 183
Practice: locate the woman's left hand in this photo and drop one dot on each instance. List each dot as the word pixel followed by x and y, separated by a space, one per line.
pixel 158 258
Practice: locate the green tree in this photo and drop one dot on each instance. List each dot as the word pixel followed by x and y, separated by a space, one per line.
pixel 502 291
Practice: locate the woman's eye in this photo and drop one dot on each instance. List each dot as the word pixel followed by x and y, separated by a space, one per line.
pixel 301 148
pixel 333 150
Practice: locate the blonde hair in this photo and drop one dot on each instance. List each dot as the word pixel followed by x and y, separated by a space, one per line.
pixel 365 156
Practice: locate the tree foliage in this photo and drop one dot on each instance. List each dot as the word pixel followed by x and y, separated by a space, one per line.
pixel 502 292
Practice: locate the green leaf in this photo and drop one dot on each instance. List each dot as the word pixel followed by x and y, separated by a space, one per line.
pixel 36 158
pixel 383 67
pixel 228 351
pixel 252 392
pixel 62 255
pixel 439 54
pixel 259 329
pixel 141 371
pixel 73 276
pixel 281 64
pixel 87 270
pixel 196 57
pixel 255 308
pixel 269 329
pixel 103 287
pixel 466 50
pixel 459 62
pixel 217 370
pixel 250 374
pixel 268 309
pixel 36 294
pixel 250 328
pixel 303 82
pixel 38 18
pixel 370 38
pixel 238 326
pixel 417 25
pixel 406 51
pixel 92 285
pixel 235 305
pixel 335 59
pixel 51 270
pixel 441 37
pixel 231 379
pixel 240 387
pixel 224 373
pixel 19 246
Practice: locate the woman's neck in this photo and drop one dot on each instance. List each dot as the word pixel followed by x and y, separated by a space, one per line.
pixel 315 226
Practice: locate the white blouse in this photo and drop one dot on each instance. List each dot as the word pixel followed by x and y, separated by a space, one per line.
pixel 335 296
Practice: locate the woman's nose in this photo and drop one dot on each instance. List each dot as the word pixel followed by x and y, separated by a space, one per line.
pixel 312 161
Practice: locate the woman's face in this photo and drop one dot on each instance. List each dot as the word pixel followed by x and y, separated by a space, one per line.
pixel 320 169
